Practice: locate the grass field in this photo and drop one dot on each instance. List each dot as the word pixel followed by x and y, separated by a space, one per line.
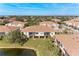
pixel 43 47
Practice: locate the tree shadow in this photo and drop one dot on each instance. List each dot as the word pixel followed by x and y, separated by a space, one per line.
pixel 24 40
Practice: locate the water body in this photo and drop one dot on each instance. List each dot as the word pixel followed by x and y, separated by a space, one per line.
pixel 17 52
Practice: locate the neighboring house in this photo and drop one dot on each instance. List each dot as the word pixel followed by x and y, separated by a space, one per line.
pixel 6 29
pixel 38 31
pixel 3 20
pixel 73 23
pixel 68 43
pixel 56 20
pixel 11 19
pixel 17 24
pixel 50 24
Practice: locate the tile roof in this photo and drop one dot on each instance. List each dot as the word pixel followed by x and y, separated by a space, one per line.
pixel 38 28
pixel 74 21
pixel 47 22
pixel 70 42
pixel 7 28
pixel 12 19
pixel 56 20
pixel 16 23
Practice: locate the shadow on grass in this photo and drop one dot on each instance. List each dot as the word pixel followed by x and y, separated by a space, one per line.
pixel 23 41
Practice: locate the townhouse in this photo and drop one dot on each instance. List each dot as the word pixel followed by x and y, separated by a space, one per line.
pixel 73 23
pixel 2 20
pixel 38 31
pixel 56 20
pixel 68 43
pixel 11 19
pixel 50 24
pixel 17 24
pixel 6 29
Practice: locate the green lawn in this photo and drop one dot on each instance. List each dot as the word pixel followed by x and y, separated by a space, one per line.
pixel 44 47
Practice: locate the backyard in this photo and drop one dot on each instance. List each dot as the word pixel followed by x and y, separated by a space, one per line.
pixel 43 47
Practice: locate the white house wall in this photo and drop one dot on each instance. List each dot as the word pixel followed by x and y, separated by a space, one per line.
pixel 39 34
pixel 52 34
pixel 26 33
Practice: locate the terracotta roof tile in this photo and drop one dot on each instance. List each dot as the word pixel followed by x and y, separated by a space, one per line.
pixel 38 28
pixel 17 22
pixel 74 21
pixel 48 22
pixel 70 42
pixel 7 28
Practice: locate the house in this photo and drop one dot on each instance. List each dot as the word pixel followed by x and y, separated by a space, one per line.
pixel 50 24
pixel 6 29
pixel 73 23
pixel 2 20
pixel 68 43
pixel 38 31
pixel 11 19
pixel 56 20
pixel 17 24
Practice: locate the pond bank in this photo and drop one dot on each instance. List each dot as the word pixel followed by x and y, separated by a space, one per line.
pixel 37 53
pixel 42 47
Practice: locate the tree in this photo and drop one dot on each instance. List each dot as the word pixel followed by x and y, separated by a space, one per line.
pixel 9 37
pixel 15 37
pixel 65 31
pixel 1 37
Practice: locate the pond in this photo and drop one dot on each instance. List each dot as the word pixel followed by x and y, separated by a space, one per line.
pixel 17 52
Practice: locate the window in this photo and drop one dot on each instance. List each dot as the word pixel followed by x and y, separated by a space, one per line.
pixel 51 33
pixel 47 33
pixel 2 33
pixel 30 33
pixel 36 33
